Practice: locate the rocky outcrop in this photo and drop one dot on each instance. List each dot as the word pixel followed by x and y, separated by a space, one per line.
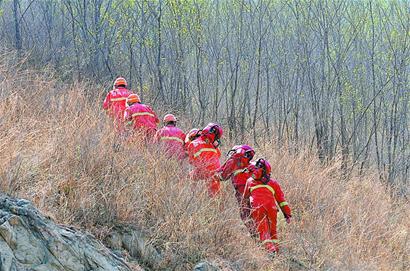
pixel 205 266
pixel 29 241
pixel 134 242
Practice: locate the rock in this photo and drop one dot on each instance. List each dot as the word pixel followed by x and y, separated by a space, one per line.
pixel 29 241
pixel 134 242
pixel 205 266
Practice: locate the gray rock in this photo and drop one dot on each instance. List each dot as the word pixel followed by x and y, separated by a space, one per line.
pixel 134 242
pixel 205 266
pixel 29 241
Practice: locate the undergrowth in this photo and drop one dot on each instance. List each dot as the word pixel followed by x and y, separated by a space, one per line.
pixel 59 150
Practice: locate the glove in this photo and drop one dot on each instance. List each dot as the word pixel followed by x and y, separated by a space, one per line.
pixel 287 217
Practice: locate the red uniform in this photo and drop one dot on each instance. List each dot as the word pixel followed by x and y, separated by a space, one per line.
pixel 204 156
pixel 143 118
pixel 263 198
pixel 115 102
pixel 236 170
pixel 172 139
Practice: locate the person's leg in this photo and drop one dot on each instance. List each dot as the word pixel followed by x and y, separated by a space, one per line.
pixel 245 213
pixel 272 219
pixel 259 216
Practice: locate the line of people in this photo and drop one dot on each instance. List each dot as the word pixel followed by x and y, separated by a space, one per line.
pixel 259 196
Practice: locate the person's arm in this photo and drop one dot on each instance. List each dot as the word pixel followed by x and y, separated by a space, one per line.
pixel 182 136
pixel 247 191
pixel 190 150
pixel 157 136
pixel 107 101
pixel 127 117
pixel 226 170
pixel 281 200
pixel 184 145
pixel 218 152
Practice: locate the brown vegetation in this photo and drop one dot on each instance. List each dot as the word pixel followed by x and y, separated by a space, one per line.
pixel 58 150
pixel 332 74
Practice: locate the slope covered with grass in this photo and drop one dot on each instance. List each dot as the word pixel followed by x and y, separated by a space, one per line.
pixel 58 150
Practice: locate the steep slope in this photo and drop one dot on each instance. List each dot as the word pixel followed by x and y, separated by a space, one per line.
pixel 59 151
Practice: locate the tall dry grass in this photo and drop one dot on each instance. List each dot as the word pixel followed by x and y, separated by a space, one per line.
pixel 59 150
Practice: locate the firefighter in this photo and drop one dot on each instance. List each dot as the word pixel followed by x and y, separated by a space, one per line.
pixel 140 117
pixel 171 137
pixel 115 101
pixel 204 154
pixel 264 194
pixel 236 169
pixel 191 136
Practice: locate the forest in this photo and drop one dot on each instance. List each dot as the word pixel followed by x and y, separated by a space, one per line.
pixel 332 76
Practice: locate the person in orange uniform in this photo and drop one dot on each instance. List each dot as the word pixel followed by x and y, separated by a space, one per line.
pixel 264 193
pixel 171 137
pixel 236 169
pixel 140 117
pixel 203 154
pixel 191 136
pixel 115 101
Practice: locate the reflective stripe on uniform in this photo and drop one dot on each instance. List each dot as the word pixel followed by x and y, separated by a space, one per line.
pixel 275 241
pixel 118 99
pixel 172 138
pixel 262 186
pixel 283 204
pixel 143 114
pixel 198 153
pixel 238 171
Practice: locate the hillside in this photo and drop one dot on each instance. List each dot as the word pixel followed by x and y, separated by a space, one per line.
pixel 331 74
pixel 29 241
pixel 59 151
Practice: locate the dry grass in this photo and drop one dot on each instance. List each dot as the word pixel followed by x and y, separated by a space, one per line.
pixel 58 150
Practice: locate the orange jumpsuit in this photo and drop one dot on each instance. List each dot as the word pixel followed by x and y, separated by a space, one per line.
pixel 115 103
pixel 172 139
pixel 204 156
pixel 143 119
pixel 236 169
pixel 263 198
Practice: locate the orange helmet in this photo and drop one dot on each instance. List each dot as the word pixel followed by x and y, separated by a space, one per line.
pixel 120 81
pixel 133 98
pixel 169 118
pixel 192 135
